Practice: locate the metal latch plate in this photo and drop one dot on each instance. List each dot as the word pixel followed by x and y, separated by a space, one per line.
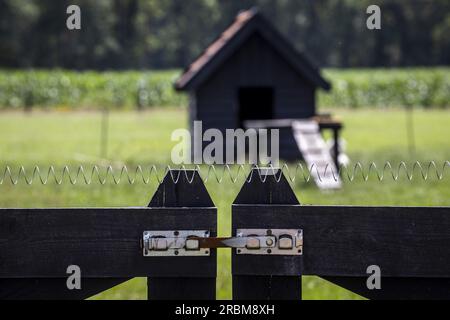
pixel 288 242
pixel 174 243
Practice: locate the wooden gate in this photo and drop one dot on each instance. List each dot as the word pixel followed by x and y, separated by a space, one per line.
pixel 276 241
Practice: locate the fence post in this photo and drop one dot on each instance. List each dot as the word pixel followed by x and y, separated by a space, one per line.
pixel 185 188
pixel 264 276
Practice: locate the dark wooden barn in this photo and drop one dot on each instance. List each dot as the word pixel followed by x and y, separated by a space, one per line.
pixel 251 72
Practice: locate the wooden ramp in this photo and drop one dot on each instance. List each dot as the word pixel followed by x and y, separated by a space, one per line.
pixel 316 154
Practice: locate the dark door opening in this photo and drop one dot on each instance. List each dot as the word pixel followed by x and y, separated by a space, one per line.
pixel 255 103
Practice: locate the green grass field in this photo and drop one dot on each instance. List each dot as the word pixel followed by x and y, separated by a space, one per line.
pixel 73 138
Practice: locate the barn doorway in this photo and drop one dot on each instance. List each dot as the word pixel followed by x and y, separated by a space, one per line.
pixel 255 103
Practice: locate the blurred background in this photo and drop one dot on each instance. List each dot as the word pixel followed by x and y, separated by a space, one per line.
pixel 136 34
pixel 103 95
pixel 159 38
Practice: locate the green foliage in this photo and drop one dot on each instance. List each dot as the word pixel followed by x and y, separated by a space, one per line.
pixel 388 87
pixel 132 89
pixel 156 34
pixel 66 89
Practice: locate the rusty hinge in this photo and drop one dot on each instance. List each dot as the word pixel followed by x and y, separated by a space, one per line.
pixel 246 241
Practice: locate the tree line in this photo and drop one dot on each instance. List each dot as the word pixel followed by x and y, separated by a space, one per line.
pixel 157 34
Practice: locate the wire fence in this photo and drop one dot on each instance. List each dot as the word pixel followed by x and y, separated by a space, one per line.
pixel 89 174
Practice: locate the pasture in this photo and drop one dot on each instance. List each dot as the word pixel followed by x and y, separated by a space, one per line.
pixel 73 138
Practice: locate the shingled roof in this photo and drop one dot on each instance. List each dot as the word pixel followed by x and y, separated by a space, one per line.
pixel 246 24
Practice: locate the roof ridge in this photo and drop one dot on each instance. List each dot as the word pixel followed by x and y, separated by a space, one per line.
pixel 243 19
pixel 238 23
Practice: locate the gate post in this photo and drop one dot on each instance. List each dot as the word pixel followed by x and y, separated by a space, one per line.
pixel 274 277
pixel 185 188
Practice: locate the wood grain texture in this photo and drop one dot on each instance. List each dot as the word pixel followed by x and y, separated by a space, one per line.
pixel 186 189
pixel 267 288
pixel 181 288
pixel 105 243
pixel 270 189
pixel 181 188
pixel 344 241
pixel 258 276
pixel 398 288
pixel 53 289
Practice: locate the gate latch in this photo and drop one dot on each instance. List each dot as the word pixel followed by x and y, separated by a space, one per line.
pixel 174 243
pixel 284 242
pixel 247 241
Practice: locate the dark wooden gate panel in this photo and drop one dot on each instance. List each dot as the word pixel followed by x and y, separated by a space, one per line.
pixel 264 277
pixel 398 288
pixel 185 189
pixel 37 246
pixel 53 289
pixel 409 244
pixel 341 241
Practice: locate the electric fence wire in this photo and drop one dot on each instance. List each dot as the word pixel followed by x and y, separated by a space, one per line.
pixel 218 173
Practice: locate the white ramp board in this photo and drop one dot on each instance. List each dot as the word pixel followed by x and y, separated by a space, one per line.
pixel 316 154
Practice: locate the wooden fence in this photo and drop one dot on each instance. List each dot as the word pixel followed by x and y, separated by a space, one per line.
pixel 337 243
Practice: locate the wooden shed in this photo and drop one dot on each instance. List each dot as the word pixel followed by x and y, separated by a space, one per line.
pixel 252 72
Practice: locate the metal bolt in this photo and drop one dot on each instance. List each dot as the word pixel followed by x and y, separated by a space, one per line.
pixel 252 243
pixel 269 242
pixel 286 242
pixel 192 244
pixel 159 244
